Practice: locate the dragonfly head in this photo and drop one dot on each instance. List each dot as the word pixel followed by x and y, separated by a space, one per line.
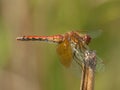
pixel 87 39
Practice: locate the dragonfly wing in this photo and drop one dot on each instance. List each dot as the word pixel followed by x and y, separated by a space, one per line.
pixel 100 66
pixel 95 34
pixel 65 52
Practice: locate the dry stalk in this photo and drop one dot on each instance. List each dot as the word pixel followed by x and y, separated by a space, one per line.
pixel 87 80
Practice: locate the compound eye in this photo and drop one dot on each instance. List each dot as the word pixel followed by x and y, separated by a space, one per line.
pixel 87 39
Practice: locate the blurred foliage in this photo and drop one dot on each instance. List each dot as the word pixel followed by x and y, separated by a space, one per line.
pixel 58 17
pixel 4 47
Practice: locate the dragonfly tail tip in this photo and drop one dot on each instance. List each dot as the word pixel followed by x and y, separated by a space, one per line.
pixel 19 38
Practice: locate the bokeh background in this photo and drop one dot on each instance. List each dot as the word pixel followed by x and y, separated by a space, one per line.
pixel 35 65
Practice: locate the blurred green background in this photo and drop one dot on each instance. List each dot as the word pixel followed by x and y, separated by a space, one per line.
pixel 35 65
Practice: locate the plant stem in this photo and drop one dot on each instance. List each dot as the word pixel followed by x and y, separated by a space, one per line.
pixel 88 70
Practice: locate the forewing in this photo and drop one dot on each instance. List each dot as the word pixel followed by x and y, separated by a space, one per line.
pixel 93 34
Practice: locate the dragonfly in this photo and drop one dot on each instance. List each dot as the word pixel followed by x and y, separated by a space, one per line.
pixel 71 46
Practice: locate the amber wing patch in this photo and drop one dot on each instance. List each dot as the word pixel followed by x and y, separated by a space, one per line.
pixel 65 52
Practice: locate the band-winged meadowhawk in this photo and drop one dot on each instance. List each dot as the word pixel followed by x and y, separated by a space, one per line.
pixel 71 46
